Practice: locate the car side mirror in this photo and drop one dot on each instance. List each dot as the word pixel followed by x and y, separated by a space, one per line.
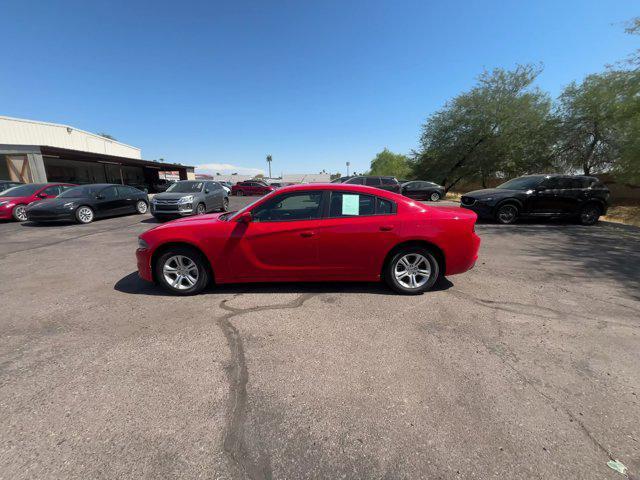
pixel 100 197
pixel 42 195
pixel 206 190
pixel 245 217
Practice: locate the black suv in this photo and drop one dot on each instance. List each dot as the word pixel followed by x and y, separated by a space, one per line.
pixel 385 183
pixel 576 196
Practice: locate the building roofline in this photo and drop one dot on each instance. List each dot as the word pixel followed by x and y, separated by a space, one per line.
pixel 52 151
pixel 51 124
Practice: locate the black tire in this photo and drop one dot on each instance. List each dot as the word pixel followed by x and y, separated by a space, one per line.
pixel 239 193
pixel 167 259
pixel 201 209
pixel 225 205
pixel 398 284
pixel 142 207
pixel 507 214
pixel 19 213
pixel 590 214
pixel 84 214
pixel 434 197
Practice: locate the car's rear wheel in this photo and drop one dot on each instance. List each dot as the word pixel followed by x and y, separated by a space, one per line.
pixel 435 196
pixel 507 214
pixel 200 209
pixel 412 271
pixel 20 213
pixel 590 214
pixel 182 271
pixel 141 207
pixel 225 204
pixel 239 193
pixel 84 214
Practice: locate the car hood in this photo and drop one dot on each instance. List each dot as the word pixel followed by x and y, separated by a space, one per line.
pixel 195 220
pixel 173 196
pixel 18 199
pixel 491 192
pixel 54 202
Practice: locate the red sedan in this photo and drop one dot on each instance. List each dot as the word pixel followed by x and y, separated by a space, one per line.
pixel 250 187
pixel 323 232
pixel 14 201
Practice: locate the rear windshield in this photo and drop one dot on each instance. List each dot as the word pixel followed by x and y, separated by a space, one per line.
pixel 185 187
pixel 21 191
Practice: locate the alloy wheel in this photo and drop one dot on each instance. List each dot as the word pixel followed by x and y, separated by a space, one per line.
pixel 180 272
pixel 507 214
pixel 85 214
pixel 412 270
pixel 141 206
pixel 200 209
pixel 435 196
pixel 225 204
pixel 20 213
pixel 589 215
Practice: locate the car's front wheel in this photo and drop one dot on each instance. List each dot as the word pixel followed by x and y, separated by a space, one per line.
pixel 507 214
pixel 141 207
pixel 84 214
pixel 590 214
pixel 412 271
pixel 435 196
pixel 200 209
pixel 225 204
pixel 20 213
pixel 182 271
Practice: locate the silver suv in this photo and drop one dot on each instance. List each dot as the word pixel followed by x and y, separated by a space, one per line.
pixel 190 197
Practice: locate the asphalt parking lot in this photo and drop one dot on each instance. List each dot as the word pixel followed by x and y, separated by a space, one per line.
pixel 524 367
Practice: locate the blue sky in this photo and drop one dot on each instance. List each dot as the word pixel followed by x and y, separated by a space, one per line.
pixel 314 83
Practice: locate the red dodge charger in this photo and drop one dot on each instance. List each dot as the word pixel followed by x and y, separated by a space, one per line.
pixel 322 232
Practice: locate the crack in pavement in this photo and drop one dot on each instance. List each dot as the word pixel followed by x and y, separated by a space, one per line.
pixel 233 438
pixel 512 307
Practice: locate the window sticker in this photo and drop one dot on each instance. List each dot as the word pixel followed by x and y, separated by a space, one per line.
pixel 350 204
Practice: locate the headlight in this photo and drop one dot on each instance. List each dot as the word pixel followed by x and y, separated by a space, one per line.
pixel 4 203
pixel 187 199
pixel 486 199
pixel 142 244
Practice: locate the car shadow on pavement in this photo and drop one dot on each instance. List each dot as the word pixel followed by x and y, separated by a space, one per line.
pixel 602 251
pixel 133 284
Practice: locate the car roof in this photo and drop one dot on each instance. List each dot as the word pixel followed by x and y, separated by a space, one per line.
pixel 350 187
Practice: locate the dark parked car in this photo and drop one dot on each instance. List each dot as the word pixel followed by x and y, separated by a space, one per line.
pixel 581 197
pixel 6 184
pixel 88 202
pixel 341 179
pixel 251 187
pixel 385 183
pixel 421 190
pixel 190 197
pixel 161 185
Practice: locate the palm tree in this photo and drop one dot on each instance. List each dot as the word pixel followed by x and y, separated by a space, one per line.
pixel 269 159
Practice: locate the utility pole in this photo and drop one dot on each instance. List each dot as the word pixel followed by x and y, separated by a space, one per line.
pixel 269 159
pixel 348 163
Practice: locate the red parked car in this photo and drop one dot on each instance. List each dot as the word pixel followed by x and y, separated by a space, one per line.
pixel 14 201
pixel 251 187
pixel 322 232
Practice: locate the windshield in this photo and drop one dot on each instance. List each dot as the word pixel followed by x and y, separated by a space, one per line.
pixel 78 192
pixel 21 191
pixel 185 187
pixel 522 183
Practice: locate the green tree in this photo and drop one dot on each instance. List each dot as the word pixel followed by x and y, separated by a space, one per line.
pixel 501 127
pixel 599 121
pixel 389 163
pixel 106 135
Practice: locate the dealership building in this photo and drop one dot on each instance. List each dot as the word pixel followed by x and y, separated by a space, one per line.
pixel 38 152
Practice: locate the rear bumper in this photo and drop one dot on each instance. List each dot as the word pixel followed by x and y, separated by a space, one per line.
pixel 465 256
pixel 143 258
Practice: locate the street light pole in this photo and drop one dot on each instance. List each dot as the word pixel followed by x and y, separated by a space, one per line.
pixel 269 158
pixel 348 163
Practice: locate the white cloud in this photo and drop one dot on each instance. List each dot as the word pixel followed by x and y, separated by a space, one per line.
pixel 226 169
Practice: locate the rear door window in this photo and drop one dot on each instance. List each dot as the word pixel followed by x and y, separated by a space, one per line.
pixel 389 181
pixel 347 204
pixel 372 181
pixel 356 181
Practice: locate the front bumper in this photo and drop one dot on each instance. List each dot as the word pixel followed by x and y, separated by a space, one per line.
pixel 483 210
pixel 143 258
pixel 183 210
pixel 6 213
pixel 49 216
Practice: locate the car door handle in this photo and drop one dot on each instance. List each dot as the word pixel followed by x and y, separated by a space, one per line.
pixel 307 234
pixel 386 228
